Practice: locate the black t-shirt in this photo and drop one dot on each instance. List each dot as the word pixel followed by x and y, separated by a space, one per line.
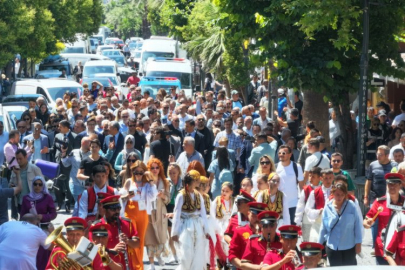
pixel 294 126
pixel 87 164
pixel 298 105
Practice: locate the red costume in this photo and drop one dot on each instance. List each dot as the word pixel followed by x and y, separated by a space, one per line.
pixel 319 198
pixel 307 191
pixel 58 254
pixel 383 219
pixel 397 246
pixel 274 256
pixel 256 248
pixel 239 240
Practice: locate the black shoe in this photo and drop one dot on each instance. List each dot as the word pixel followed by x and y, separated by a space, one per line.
pixel 67 208
pixel 58 208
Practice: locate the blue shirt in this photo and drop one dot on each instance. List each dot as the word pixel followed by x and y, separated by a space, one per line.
pixel 237 104
pixel 216 183
pixel 347 231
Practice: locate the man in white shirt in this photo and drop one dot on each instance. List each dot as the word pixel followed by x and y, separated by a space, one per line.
pixel 317 159
pixel 19 243
pixel 289 178
pixel 183 116
pixel 401 146
pixel 399 117
pixel 248 127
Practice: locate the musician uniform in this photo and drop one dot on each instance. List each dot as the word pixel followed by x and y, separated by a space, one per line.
pixel 58 254
pixel 238 219
pixel 127 228
pixel 309 249
pixel 384 216
pixel 397 246
pixel 276 255
pixel 242 234
pixel 258 245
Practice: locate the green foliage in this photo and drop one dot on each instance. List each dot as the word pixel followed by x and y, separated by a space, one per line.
pixel 33 28
pixel 125 17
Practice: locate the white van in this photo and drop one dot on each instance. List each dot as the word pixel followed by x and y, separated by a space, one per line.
pixel 153 48
pixel 172 67
pixel 102 66
pixel 51 89
pixel 82 45
pixel 74 58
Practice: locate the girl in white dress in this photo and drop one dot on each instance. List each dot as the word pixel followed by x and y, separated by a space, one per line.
pixel 190 228
pixel 221 209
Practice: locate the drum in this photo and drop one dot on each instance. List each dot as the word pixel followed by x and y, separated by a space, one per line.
pixel 49 169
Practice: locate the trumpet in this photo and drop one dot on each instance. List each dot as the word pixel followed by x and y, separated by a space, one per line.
pixel 105 258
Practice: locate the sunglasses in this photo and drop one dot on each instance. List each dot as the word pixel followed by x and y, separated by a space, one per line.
pixel 200 120
pixel 27 119
pixel 38 184
pixel 264 162
pixel 336 161
pixel 131 125
pixel 138 173
pixel 131 160
pixel 217 126
pixel 21 127
pixel 270 225
pixel 176 121
pixel 154 168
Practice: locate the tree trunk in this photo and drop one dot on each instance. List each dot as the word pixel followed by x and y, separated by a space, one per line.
pixel 145 24
pixel 315 109
pixel 346 143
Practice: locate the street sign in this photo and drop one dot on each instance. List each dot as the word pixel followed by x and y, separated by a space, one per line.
pixel 378 82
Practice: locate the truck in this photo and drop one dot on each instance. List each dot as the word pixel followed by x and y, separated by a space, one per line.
pixel 158 46
pixel 180 68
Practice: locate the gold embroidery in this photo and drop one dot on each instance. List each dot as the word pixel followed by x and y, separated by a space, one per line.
pixel 190 206
pixel 277 205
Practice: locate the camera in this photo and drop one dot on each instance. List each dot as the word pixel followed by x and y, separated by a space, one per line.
pixel 62 143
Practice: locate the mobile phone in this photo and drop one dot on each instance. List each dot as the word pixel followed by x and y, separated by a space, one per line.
pixel 111 139
pixel 131 193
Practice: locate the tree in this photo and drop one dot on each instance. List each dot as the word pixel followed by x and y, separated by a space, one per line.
pixel 316 46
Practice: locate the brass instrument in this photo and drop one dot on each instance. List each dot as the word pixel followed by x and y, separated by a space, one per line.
pixel 105 258
pixel 57 239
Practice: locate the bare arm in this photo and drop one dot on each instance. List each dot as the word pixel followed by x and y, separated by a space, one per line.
pixel 390 260
pixel 80 175
pixel 367 192
pixel 227 238
pixel 306 176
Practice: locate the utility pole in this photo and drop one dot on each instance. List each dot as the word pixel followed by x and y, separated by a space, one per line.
pixel 363 90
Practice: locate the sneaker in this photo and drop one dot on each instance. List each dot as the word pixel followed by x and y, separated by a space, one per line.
pixel 151 267
pixel 176 260
pixel 160 261
pixel 372 253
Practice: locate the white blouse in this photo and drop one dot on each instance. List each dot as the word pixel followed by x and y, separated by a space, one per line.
pixel 147 193
pixel 179 215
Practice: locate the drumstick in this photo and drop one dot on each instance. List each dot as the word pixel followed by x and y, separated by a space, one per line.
pixel 379 210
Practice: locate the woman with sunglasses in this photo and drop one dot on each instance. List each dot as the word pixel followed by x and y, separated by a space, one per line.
pixel 156 234
pixel 126 172
pixel 275 199
pixel 48 124
pixel 341 228
pixel 129 147
pixel 137 196
pixel 176 184
pixel 28 119
pixel 266 166
pixel 40 203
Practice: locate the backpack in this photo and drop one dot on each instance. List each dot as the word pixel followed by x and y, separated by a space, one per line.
pixel 295 167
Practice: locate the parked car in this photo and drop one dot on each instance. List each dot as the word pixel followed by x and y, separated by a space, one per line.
pixel 51 89
pixel 103 47
pixel 109 53
pixel 22 100
pixel 48 74
pixel 9 124
pixel 14 112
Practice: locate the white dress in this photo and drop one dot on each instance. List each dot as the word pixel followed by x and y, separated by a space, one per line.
pixel 191 229
pixel 224 221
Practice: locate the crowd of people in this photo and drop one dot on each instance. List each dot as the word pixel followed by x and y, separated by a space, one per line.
pixel 205 183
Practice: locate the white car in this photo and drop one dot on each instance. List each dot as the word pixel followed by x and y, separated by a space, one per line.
pixel 51 89
pixel 103 66
pixel 8 123
pixel 102 48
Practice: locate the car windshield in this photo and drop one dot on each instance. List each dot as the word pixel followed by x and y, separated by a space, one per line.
pixel 105 81
pixel 110 41
pixel 73 50
pixel 147 55
pixel 55 67
pixel 48 75
pixel 110 52
pixel 119 60
pixel 132 45
pixel 90 70
pixel 16 114
pixel 58 92
pixel 10 99
pixel 153 89
pixel 185 78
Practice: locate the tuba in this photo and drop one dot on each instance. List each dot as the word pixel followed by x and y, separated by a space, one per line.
pixel 57 239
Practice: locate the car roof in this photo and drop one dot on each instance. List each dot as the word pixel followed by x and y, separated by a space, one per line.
pixel 112 50
pixel 23 95
pixel 53 82
pixel 100 63
pixel 48 71
pixel 105 46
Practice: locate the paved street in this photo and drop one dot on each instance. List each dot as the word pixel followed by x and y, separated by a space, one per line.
pixel 366 248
